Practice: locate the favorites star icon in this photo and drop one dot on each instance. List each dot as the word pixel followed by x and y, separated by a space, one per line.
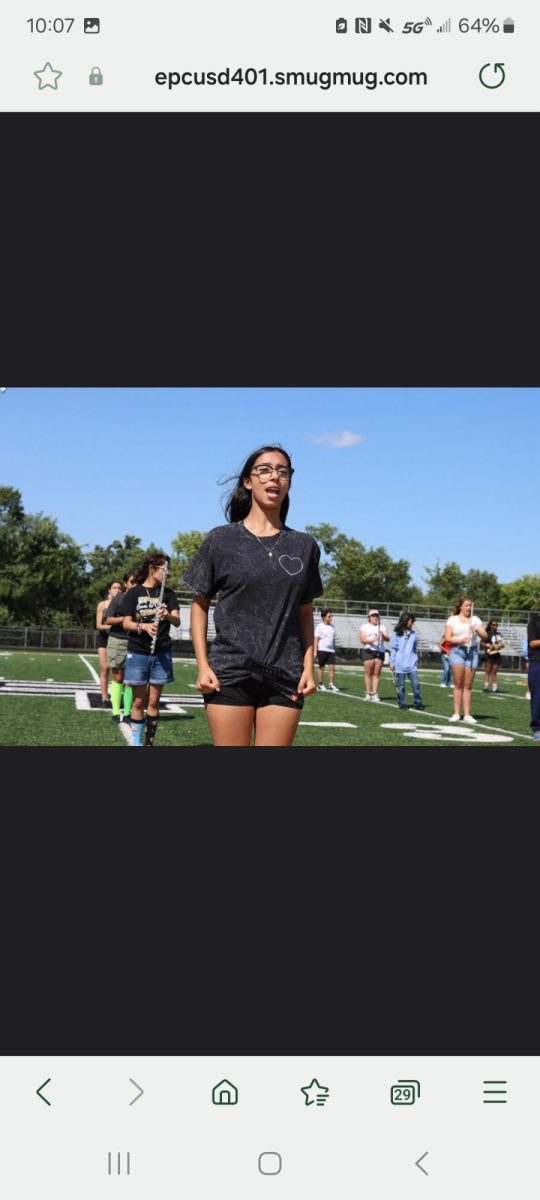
pixel 316 1093
pixel 48 77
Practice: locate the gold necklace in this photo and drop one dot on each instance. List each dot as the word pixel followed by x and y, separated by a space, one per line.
pixel 265 548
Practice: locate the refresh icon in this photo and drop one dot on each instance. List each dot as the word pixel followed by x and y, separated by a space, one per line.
pixel 492 75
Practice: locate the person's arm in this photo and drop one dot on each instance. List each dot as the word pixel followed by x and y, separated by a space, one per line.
pixel 365 640
pixel 116 619
pixel 207 680
pixel 99 623
pixel 385 634
pixel 481 633
pixel 306 684
pixel 393 650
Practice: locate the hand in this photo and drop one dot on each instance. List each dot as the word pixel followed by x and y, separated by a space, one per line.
pixel 306 684
pixel 207 681
pixel 149 627
pixel 162 612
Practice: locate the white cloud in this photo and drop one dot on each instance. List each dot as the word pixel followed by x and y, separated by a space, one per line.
pixel 338 439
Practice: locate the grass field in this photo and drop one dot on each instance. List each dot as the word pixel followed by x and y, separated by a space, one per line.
pixel 65 717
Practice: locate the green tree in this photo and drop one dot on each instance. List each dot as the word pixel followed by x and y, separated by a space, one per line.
pixel 184 546
pixel 483 587
pixel 354 573
pixel 522 593
pixel 45 572
pixel 444 584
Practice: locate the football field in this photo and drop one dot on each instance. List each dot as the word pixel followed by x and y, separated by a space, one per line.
pixel 54 700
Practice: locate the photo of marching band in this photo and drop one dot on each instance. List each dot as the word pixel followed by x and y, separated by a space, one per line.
pixel 244 605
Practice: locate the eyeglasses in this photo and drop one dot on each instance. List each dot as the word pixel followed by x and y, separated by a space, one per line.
pixel 265 470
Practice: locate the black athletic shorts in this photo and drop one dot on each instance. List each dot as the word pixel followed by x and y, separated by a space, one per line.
pixel 370 654
pixel 325 656
pixel 253 693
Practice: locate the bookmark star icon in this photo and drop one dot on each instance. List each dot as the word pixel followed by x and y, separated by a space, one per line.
pixel 48 77
pixel 315 1093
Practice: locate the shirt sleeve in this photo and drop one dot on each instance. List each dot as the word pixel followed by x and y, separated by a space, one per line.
pixel 314 585
pixel 129 603
pixel 393 648
pixel 200 574
pixel 171 599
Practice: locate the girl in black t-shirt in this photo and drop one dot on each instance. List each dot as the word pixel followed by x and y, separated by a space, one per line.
pixel 147 672
pixel 260 666
pixel 490 648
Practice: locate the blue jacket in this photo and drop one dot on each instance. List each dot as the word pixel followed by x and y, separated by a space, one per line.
pixel 403 655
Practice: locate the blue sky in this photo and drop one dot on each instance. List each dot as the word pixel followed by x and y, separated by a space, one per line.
pixel 429 473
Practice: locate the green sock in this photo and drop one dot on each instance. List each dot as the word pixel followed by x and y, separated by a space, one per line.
pixel 116 697
pixel 128 699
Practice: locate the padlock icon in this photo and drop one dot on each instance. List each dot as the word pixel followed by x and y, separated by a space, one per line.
pixel 341 25
pixel 95 77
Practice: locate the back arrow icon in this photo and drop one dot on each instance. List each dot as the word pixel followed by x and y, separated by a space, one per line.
pixel 39 1091
pixel 419 1160
pixel 140 1091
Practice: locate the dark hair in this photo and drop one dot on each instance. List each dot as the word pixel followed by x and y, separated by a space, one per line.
pixel 402 622
pixel 324 611
pixel 128 575
pixel 459 603
pixel 151 560
pixel 493 621
pixel 238 502
pixel 109 585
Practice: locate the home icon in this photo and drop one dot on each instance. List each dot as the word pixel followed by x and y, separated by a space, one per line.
pixel 225 1093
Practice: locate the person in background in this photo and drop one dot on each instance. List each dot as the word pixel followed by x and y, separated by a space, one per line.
pixel 325 650
pixel 114 588
pixel 404 659
pixel 525 653
pixel 372 636
pixel 491 648
pixel 145 617
pixel 116 653
pixel 533 639
pixel 462 630
pixel 446 677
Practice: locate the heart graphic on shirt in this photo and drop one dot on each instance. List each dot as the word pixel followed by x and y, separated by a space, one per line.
pixel 292 566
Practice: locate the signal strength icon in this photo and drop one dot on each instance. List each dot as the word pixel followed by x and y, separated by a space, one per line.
pixel 446 27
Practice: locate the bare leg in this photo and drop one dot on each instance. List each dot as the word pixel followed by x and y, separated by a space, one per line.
pixel 487 672
pixel 459 675
pixel 139 701
pixel 494 669
pixel 230 724
pixel 276 726
pixel 376 675
pixel 467 691
pixel 321 675
pixel 332 671
pixel 154 692
pixel 368 674
pixel 103 672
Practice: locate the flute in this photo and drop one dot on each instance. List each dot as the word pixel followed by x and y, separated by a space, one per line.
pixel 160 602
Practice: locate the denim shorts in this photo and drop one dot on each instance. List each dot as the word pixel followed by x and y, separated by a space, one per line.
pixel 464 656
pixel 148 668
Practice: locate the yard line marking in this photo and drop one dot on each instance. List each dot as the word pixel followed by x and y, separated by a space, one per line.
pixel 330 724
pixel 89 666
pixel 81 700
pixel 441 717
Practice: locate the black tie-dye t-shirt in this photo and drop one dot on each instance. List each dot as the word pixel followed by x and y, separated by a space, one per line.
pixel 258 597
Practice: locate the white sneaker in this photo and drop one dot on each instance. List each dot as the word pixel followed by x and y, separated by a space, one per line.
pixel 321 687
pixel 443 685
pixel 368 696
pixel 470 720
pixel 454 717
pixel 527 695
pixel 376 699
pixel 494 689
pixel 332 688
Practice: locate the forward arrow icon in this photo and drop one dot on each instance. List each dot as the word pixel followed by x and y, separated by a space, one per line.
pixel 140 1091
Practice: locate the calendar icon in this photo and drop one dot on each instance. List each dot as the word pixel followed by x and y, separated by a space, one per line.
pixel 405 1091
